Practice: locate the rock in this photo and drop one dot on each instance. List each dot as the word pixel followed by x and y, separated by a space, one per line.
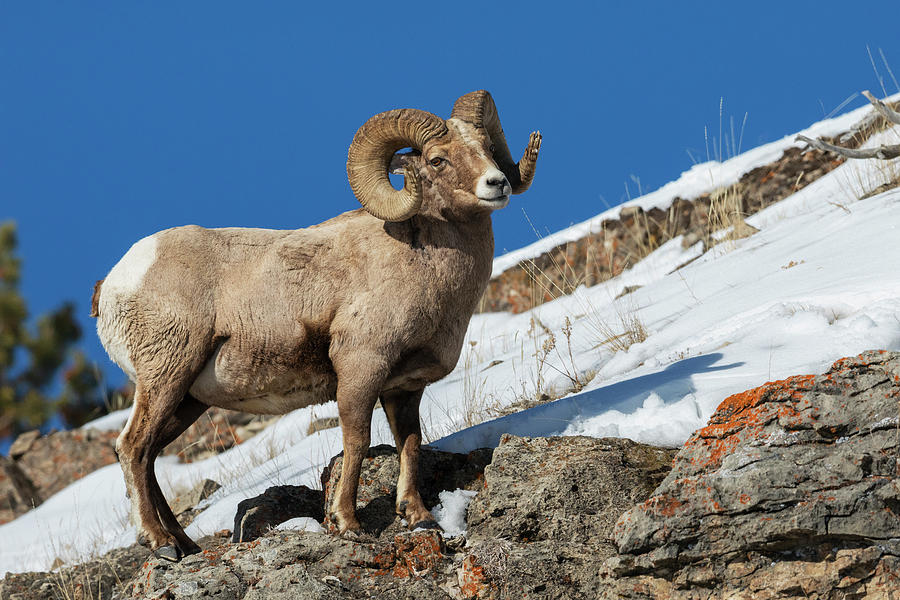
pixel 18 494
pixel 98 578
pixel 543 522
pixel 525 475
pixel 792 489
pixel 304 565
pixel 438 471
pixel 255 516
pixel 48 464
pixel 570 489
pixel 23 443
pixel 184 506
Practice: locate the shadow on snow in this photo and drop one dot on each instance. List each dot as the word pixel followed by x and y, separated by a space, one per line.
pixel 671 384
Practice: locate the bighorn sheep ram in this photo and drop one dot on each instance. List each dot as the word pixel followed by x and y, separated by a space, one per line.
pixel 371 304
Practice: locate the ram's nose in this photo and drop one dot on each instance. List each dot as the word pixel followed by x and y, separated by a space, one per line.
pixel 493 185
pixel 498 180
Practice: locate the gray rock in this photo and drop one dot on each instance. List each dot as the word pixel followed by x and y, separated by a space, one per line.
pixel 43 465
pixel 293 564
pixel 791 488
pixel 255 516
pixel 438 471
pixel 23 443
pixel 188 501
pixel 18 494
pixel 542 525
pixel 571 490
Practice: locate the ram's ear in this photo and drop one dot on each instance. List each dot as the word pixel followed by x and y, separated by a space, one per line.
pixel 401 159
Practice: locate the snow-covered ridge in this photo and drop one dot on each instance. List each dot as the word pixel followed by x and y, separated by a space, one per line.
pixel 700 179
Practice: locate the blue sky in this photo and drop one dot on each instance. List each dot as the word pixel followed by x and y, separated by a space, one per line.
pixel 121 119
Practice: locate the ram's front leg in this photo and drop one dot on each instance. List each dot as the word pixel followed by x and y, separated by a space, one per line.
pixel 402 412
pixel 357 392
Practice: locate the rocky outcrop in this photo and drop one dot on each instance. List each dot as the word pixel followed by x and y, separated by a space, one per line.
pixel 18 494
pixel 41 465
pixel 543 522
pixel 791 490
pixel 540 527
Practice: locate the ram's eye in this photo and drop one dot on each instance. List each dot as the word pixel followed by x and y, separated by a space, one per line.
pixel 492 148
pixel 436 161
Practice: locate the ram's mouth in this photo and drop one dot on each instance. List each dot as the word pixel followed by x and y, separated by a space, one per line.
pixel 496 202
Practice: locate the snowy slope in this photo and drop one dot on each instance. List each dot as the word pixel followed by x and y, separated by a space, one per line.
pixel 820 280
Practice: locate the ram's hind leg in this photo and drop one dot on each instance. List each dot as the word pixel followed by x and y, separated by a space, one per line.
pixel 188 411
pixel 154 420
pixel 402 412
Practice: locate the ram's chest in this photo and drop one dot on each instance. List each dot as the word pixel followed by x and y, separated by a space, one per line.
pixel 440 341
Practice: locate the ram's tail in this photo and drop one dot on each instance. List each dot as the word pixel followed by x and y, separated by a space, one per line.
pixel 95 299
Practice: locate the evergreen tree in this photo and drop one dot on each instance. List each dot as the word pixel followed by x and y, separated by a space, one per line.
pixel 31 358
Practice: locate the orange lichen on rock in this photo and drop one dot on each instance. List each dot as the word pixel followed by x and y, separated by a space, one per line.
pixel 418 552
pixel 743 415
pixel 473 583
pixel 665 506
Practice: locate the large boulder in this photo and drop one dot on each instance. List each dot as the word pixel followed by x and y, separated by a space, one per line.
pixel 791 490
pixel 570 490
pixel 543 522
pixel 255 516
pixel 438 471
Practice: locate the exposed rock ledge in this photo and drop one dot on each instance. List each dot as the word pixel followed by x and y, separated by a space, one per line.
pixel 790 491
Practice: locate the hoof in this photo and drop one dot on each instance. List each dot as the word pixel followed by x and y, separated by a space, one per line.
pixel 170 553
pixel 356 535
pixel 427 524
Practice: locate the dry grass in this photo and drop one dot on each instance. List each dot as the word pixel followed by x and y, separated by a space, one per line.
pixel 726 222
pixel 82 583
pixel 623 332
pixel 477 406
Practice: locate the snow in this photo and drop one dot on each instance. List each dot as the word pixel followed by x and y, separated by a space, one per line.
pixel 820 280
pixel 114 421
pixel 451 512
pixel 301 524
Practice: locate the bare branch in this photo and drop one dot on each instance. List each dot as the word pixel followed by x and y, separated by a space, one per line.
pixel 889 114
pixel 883 152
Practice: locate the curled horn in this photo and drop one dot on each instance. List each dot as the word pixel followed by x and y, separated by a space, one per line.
pixel 369 159
pixel 479 109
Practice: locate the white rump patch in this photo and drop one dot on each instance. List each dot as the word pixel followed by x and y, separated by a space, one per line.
pixel 126 277
pixel 118 288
